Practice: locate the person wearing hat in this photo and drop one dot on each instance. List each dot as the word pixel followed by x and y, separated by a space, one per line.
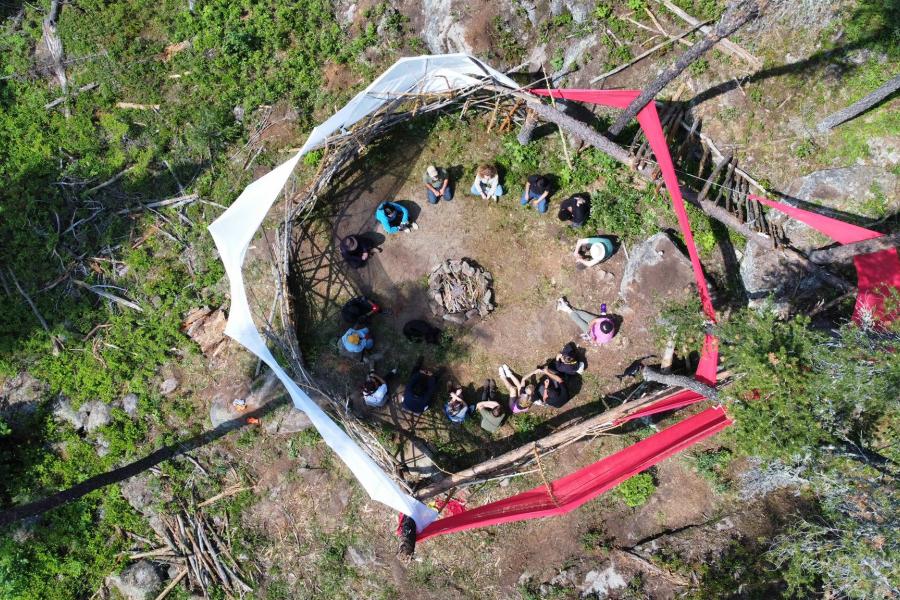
pixel 394 217
pixel 593 250
pixel 437 185
pixel 575 209
pixel 356 250
pixel 357 341
pixel 594 329
pixel 537 189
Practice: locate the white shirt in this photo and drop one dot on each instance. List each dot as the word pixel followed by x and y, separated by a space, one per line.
pixel 377 397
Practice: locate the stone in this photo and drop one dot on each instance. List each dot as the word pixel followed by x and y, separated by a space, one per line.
pixel 442 32
pixel 130 404
pixel 63 411
pixel 885 150
pixel 656 268
pixel 168 386
pixel 101 446
pixel 600 583
pixel 457 318
pixel 206 327
pixel 97 414
pixel 137 582
pixel 361 557
pixel 286 420
pixel 20 397
pixel 138 493
pixel 472 313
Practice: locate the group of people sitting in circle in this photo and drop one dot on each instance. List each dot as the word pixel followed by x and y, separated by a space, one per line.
pixel 548 385
pixel 395 218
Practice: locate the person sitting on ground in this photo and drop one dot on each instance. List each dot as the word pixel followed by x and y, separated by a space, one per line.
pixel 537 188
pixel 437 184
pixel 575 209
pixel 520 391
pixel 456 408
pixel 356 250
pixel 487 183
pixel 597 330
pixel 418 331
pixel 593 250
pixel 491 412
pixel 394 217
pixel 420 389
pixel 567 361
pixel 552 389
pixel 358 310
pixel 375 389
pixel 357 341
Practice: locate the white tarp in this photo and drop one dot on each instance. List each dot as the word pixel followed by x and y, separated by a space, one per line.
pixel 235 228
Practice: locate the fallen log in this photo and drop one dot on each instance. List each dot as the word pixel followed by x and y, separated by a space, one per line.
pixel 848 251
pixel 688 383
pixel 860 106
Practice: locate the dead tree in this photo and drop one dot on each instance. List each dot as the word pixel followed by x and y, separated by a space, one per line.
pixel 860 106
pixel 55 48
pixel 848 251
pixel 528 127
pixel 735 16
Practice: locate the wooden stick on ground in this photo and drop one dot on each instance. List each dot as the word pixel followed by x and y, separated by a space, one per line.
pixel 104 294
pixel 172 584
pixel 848 251
pixel 688 383
pixel 860 106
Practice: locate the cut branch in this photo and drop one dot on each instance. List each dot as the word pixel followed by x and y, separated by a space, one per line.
pixel 860 106
pixel 848 251
pixel 687 383
pixel 108 296
pixel 735 16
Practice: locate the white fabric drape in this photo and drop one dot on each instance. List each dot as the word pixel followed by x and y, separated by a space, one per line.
pixel 235 228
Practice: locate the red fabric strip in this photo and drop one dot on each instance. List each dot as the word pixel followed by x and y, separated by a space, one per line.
pixel 675 401
pixel 877 273
pixel 586 484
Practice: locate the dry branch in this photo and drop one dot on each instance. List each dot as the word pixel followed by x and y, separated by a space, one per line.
pixel 137 106
pixel 848 251
pixel 687 383
pixel 85 88
pixel 860 106
pixel 107 295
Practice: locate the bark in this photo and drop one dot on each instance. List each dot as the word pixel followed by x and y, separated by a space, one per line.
pixel 848 251
pixel 860 106
pixel 735 16
pixel 528 127
pixel 687 383
pixel 55 47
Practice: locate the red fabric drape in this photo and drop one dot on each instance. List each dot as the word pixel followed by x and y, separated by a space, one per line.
pixel 877 273
pixel 583 485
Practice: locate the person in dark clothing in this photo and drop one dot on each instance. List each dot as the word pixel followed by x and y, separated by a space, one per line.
pixel 356 250
pixel 567 361
pixel 358 310
pixel 419 390
pixel 418 331
pixel 537 188
pixel 575 209
pixel 552 389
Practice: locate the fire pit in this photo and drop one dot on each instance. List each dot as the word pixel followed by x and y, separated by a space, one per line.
pixel 459 290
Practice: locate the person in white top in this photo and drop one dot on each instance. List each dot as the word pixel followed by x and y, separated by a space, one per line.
pixel 375 389
pixel 487 183
pixel 592 251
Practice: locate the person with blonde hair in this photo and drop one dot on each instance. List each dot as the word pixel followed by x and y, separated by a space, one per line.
pixel 487 183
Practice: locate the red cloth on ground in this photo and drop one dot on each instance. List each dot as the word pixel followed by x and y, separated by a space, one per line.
pixel 877 273
pixel 585 484
pixel 648 119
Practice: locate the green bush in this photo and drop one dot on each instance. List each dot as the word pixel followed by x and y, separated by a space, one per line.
pixel 636 490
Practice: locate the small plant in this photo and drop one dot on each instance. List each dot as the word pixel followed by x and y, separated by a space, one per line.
pixel 603 11
pixel 558 60
pixel 636 490
pixel 699 67
pixel 635 5
pixel 525 423
pixel 712 464
pixel 805 149
pixel 594 539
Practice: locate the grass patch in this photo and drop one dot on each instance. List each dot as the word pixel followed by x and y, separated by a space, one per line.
pixel 636 490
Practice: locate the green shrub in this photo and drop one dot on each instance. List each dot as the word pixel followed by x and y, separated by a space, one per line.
pixel 636 490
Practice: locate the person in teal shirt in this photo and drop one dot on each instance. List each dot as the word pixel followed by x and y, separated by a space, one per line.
pixel 394 217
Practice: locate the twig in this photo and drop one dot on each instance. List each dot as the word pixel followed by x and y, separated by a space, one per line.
pixel 61 99
pixel 56 344
pixel 172 584
pixel 108 182
pixel 107 295
pixel 136 106
pixel 228 492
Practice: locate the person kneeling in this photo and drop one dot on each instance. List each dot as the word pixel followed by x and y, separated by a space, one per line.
pixel 375 389
pixel 537 188
pixel 357 341
pixel 394 217
pixel 575 209
pixel 487 183
pixel 592 251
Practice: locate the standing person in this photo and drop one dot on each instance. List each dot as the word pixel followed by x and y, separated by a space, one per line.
pixel 357 341
pixel 537 188
pixel 419 389
pixel 491 412
pixel 487 183
pixel 358 310
pixel 520 391
pixel 575 209
pixel 456 408
pixel 597 330
pixel 593 250
pixel 375 389
pixel 552 389
pixel 567 361
pixel 437 185
pixel 394 217
pixel 356 250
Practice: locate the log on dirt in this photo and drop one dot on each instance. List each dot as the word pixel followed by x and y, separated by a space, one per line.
pixel 860 106
pixel 687 383
pixel 848 251
pixel 736 15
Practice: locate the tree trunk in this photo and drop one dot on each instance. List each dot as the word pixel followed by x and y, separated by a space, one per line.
pixel 848 251
pixel 735 16
pixel 528 127
pixel 687 383
pixel 55 48
pixel 890 86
